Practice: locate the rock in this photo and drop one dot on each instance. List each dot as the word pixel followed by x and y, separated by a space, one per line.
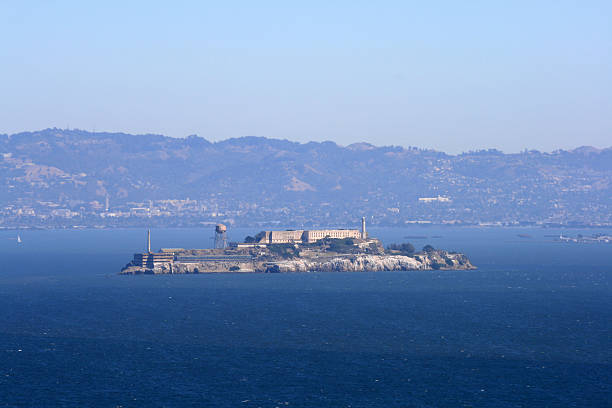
pixel 432 260
pixel 375 263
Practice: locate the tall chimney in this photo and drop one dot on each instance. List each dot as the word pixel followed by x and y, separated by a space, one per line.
pixel 149 241
pixel 364 235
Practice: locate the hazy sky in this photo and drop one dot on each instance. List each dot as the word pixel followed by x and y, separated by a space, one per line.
pixel 450 75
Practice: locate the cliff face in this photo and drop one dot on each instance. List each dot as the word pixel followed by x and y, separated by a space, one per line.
pixel 342 263
pixel 362 263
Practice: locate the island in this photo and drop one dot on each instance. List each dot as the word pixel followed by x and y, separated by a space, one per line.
pixel 329 250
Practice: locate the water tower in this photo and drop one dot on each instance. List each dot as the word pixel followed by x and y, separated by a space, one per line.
pixel 220 236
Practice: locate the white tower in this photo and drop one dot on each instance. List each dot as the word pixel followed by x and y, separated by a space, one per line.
pixel 364 234
pixel 149 241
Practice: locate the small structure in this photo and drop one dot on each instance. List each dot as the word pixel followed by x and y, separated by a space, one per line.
pixel 220 236
pixel 364 234
pixel 173 250
pixel 439 198
pixel 241 245
pixel 151 259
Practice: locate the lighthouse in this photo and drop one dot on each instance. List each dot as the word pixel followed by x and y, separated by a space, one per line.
pixel 364 234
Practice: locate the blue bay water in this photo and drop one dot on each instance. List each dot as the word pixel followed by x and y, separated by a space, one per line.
pixel 531 327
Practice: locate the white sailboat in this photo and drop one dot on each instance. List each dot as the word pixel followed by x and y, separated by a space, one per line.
pixel 18 239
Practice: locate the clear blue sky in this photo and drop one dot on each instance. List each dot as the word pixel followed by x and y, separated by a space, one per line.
pixel 449 75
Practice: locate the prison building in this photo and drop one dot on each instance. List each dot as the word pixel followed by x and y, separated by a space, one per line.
pixel 283 237
pixel 309 236
pixel 316 235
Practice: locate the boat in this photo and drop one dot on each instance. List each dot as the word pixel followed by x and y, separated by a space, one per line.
pixel 18 239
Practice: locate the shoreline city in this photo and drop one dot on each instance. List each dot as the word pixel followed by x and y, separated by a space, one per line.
pixel 69 178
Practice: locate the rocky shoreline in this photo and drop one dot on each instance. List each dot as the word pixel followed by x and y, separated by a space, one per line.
pixel 438 260
pixel 434 260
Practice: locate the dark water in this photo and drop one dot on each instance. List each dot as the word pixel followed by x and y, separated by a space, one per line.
pixel 531 327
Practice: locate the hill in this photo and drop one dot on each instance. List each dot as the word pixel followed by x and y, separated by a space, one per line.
pixel 57 177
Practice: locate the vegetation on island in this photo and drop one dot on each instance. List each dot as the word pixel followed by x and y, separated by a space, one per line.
pixel 284 251
pixel 404 249
pixel 258 237
pixel 340 246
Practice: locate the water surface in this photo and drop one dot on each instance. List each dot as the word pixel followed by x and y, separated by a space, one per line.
pixel 530 327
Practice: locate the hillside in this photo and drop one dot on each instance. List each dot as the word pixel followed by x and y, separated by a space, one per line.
pixel 65 177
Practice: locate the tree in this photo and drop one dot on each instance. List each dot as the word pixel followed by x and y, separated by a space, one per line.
pixel 405 248
pixel 341 245
pixel 428 248
pixel 285 251
pixel 249 239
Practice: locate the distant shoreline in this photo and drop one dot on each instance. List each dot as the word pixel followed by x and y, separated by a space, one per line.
pixel 403 227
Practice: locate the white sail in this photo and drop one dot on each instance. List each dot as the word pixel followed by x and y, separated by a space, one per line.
pixel 18 239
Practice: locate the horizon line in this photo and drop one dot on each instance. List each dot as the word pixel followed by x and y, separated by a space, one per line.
pixel 355 144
